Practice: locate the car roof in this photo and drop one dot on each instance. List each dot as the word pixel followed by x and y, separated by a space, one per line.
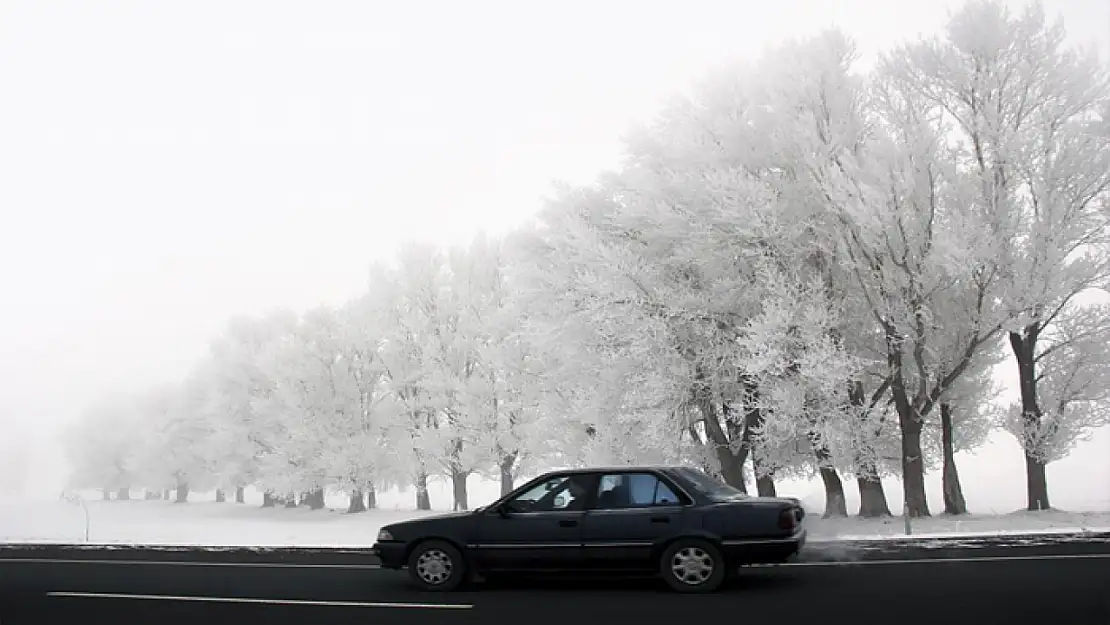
pixel 666 468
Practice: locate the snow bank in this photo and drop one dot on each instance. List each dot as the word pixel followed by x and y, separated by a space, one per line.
pixel 941 526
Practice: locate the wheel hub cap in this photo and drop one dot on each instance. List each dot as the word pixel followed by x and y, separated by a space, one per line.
pixel 434 566
pixel 692 566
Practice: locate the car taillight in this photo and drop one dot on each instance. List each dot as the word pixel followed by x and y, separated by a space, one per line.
pixel 789 518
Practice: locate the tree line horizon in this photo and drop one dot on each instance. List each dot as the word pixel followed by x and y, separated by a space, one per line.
pixel 800 269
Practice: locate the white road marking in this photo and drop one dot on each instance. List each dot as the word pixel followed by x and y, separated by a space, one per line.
pixel 1077 556
pixel 278 565
pixel 350 604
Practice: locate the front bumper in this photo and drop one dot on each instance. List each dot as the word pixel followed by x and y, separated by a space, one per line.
pixel 391 554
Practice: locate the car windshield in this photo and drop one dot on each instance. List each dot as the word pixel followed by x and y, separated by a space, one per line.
pixel 708 485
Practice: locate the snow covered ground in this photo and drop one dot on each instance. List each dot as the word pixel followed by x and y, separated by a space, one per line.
pixel 993 481
pixel 228 524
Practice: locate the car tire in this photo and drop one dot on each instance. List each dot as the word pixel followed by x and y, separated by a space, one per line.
pixel 693 565
pixel 436 565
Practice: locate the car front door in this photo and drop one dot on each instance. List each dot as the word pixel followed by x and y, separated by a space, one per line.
pixel 539 530
pixel 633 512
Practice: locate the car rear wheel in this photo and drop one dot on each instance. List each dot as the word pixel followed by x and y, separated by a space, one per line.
pixel 693 565
pixel 437 565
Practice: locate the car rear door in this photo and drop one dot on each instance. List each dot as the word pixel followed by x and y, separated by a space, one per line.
pixel 547 539
pixel 633 512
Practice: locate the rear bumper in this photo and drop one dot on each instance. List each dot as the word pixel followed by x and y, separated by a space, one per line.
pixel 763 550
pixel 390 554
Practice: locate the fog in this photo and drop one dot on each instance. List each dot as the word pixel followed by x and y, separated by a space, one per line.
pixel 165 166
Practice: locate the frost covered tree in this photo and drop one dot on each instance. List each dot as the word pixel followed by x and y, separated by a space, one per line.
pixel 605 358
pixel 301 407
pixel 362 428
pixel 449 329
pixel 741 118
pixel 177 426
pixel 1029 117
pixel 1072 384
pixel 401 295
pixel 968 413
pixel 238 383
pixel 870 430
pixel 877 154
pixel 671 266
pixel 105 446
pixel 503 396
pixel 455 312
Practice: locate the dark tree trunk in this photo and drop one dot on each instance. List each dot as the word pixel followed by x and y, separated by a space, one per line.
pixel 239 494
pixel 732 467
pixel 721 437
pixel 106 494
pixel 1036 483
pixel 764 484
pixel 910 424
pixel 315 499
pixel 753 421
pixel 506 467
pixel 458 489
pixel 123 494
pixel 954 502
pixel 268 500
pixel 458 477
pixel 423 500
pixel 835 503
pixel 872 498
pixel 356 503
pixel 220 496
pixel 1024 346
pixel 182 492
pixel 913 469
pixel 371 497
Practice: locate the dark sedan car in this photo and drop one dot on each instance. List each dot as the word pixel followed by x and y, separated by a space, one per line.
pixel 676 522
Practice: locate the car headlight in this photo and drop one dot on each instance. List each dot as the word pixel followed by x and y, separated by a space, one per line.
pixel 384 534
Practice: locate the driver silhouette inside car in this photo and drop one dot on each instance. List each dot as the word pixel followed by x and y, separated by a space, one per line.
pixel 576 491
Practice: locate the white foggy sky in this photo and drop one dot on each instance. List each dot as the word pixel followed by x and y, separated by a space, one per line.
pixel 164 166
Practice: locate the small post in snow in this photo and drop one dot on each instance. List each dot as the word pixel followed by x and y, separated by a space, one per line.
pixel 77 499
pixel 906 518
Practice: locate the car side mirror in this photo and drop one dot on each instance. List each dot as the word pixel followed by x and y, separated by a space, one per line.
pixel 502 510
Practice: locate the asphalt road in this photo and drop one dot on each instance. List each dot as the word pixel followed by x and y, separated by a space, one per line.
pixel 1015 580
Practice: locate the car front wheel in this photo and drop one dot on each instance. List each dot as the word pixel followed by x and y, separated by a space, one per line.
pixel 437 565
pixel 693 565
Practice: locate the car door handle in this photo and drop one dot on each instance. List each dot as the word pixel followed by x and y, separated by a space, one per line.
pixel 568 523
pixel 660 519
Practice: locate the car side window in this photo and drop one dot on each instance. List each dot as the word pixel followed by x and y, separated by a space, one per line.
pixel 663 495
pixel 541 489
pixel 561 493
pixel 633 490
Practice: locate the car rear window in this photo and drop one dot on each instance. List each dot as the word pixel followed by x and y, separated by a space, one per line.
pixel 708 485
